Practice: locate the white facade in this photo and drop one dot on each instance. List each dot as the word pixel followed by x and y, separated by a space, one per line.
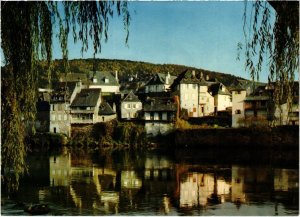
pixel 238 111
pixel 206 101
pixel 130 109
pixel 222 102
pixel 189 99
pixel 106 88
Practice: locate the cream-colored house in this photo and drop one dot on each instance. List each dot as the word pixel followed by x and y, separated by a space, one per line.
pixel 238 112
pixel 85 107
pixel 131 106
pixel 222 97
pixel 206 100
pixel 61 99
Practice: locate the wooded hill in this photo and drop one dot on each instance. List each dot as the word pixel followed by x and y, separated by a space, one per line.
pixel 126 68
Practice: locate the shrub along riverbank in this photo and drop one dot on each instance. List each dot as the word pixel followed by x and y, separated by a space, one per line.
pixel 127 134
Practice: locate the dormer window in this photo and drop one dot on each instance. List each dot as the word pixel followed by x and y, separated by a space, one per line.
pixel 94 80
pixel 106 80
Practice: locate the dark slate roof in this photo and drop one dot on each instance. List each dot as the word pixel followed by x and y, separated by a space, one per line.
pixel 160 104
pixel 101 76
pixel 86 98
pixel 105 109
pixel 160 78
pixel 131 98
pixel 216 89
pixel 72 77
pixel 186 77
pixel 62 91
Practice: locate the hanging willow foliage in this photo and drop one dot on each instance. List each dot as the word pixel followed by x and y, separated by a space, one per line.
pixel 275 42
pixel 26 32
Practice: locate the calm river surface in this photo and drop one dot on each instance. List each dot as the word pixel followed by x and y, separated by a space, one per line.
pixel 153 183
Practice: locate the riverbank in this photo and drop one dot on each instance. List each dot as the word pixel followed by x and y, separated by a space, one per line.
pixel 277 137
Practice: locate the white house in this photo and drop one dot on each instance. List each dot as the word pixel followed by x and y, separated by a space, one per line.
pixel 187 88
pixel 131 106
pixel 159 83
pixel 106 81
pixel 222 97
pixel 159 115
pixel 195 94
pixel 206 100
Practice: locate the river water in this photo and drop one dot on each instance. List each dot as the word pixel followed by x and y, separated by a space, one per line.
pixel 75 182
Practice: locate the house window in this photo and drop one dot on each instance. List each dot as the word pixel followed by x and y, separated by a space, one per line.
pixel 59 117
pixel 53 117
pixel 238 92
pixel 88 108
pixel 238 111
pixel 128 106
pixel 137 106
pixel 54 129
pixel 65 117
pixel 134 106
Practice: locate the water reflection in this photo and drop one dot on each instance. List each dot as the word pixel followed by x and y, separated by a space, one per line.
pixel 153 184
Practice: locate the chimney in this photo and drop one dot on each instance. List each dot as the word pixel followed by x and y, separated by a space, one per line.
pixel 116 73
pixel 168 78
pixel 207 77
pixel 193 73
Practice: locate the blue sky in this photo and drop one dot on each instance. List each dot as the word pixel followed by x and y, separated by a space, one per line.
pixel 199 34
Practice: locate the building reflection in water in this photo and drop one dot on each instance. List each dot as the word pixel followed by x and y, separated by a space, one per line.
pixel 82 179
pixel 285 180
pixel 161 182
pixel 196 189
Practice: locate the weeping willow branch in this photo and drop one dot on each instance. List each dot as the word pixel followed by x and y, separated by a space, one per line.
pixel 27 31
pixel 274 42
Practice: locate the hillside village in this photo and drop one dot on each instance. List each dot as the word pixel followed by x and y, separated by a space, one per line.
pixel 158 101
